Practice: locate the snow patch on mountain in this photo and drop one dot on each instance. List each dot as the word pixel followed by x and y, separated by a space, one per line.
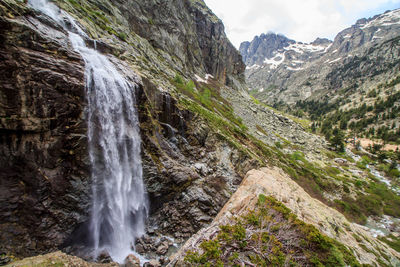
pixel 335 60
pixel 255 66
pixel 205 80
pixel 302 48
pixel 275 61
pixel 294 69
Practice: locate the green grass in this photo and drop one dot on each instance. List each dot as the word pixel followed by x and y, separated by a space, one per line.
pixel 284 140
pixel 392 241
pixel 208 96
pixel 298 155
pixel 376 200
pixel 332 171
pixel 91 13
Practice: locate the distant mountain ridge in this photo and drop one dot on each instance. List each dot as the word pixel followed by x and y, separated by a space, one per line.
pixel 267 47
pixel 283 70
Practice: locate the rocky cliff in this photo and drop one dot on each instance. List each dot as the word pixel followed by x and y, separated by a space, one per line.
pixel 359 58
pixel 45 181
pixel 187 31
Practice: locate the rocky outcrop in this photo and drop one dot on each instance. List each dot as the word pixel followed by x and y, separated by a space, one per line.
pixel 59 259
pixel 273 182
pixel 190 36
pixel 358 60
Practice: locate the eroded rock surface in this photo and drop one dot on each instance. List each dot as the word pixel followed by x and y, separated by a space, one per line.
pixel 270 126
pixel 44 186
pixel 187 30
pixel 274 182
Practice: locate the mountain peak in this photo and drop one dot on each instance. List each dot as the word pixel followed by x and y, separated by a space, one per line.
pixel 321 41
pixel 262 47
pixel 307 69
pixel 272 50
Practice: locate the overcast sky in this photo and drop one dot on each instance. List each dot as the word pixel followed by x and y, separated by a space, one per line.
pixel 301 20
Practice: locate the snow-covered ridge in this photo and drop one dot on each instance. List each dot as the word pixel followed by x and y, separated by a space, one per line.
pixel 302 48
pixel 295 55
pixel 304 68
pixel 280 57
pixel 387 19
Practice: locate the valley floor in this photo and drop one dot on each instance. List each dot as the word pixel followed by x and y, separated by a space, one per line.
pixel 366 143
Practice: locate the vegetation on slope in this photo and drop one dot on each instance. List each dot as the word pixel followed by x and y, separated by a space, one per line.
pixel 207 95
pixel 392 241
pixel 270 235
pixel 360 198
pixel 375 118
pixel 205 100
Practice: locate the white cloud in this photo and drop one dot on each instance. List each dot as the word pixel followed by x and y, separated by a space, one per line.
pixel 300 20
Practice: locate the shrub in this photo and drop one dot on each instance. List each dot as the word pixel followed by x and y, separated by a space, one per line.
pixel 297 155
pixel 394 173
pixel 190 86
pixel 178 79
pixel 122 36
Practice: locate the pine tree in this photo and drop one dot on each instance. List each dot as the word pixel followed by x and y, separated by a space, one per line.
pixel 337 140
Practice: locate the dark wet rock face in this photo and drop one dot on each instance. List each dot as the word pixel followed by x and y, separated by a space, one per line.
pixel 44 186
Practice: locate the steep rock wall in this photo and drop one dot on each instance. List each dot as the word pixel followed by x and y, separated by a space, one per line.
pixel 44 174
pixel 45 182
pixel 187 30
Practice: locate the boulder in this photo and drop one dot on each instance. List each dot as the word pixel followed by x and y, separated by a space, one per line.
pixel 162 249
pixel 131 261
pixel 152 263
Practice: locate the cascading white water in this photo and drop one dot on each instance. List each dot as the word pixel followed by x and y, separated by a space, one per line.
pixel 120 203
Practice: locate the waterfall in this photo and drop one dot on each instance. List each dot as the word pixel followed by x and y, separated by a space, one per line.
pixel 119 207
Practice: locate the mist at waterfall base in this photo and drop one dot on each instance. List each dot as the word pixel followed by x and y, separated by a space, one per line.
pixel 119 202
